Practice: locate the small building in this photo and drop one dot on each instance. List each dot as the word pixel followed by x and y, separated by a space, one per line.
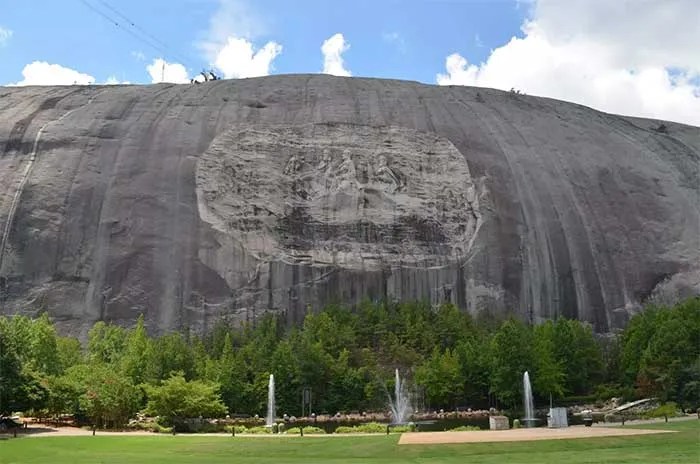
pixel 498 423
pixel 557 419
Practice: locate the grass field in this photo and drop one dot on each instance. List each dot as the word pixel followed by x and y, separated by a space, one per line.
pixel 681 447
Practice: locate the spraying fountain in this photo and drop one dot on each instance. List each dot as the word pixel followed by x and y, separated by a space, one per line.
pixel 400 405
pixel 270 418
pixel 528 403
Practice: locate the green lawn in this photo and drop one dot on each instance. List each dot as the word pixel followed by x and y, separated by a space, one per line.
pixel 681 447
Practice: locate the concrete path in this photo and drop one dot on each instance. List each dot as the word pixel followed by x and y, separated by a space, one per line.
pixel 490 436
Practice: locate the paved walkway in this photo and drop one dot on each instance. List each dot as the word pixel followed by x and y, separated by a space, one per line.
pixel 540 433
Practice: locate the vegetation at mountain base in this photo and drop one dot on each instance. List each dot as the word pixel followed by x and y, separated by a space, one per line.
pixel 346 357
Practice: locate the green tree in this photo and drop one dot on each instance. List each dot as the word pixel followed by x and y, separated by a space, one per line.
pixel 178 399
pixel 474 359
pixel 657 348
pixel 450 325
pixel 42 346
pixel 33 393
pixel 549 375
pixel 64 394
pixel 333 331
pixel 315 367
pixel 285 368
pixel 690 390
pixel 232 375
pixel 511 356
pixel 634 342
pixel 170 353
pixel 137 353
pixel 10 371
pixel 666 354
pixel 577 351
pixel 106 343
pixel 441 376
pixel 110 399
pixel 346 387
pixel 69 352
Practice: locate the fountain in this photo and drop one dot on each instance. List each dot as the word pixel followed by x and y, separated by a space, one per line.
pixel 528 403
pixel 401 404
pixel 270 419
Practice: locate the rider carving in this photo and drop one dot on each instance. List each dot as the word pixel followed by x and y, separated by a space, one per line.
pixel 294 164
pixel 346 176
pixel 385 175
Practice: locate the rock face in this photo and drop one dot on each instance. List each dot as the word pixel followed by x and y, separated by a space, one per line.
pixel 191 203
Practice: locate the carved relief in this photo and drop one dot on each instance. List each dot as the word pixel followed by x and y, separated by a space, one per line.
pixel 294 164
pixel 386 176
pixel 346 174
pixel 335 198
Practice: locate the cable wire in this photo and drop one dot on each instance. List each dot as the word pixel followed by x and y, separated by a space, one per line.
pixel 145 37
pixel 143 31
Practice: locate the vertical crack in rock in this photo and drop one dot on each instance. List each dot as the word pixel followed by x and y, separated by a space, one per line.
pixel 15 143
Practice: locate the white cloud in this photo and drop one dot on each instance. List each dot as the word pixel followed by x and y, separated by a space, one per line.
pixel 228 43
pixel 614 56
pixel 138 55
pixel 43 73
pixel 333 49
pixel 112 80
pixel 5 35
pixel 234 18
pixel 162 71
pixel 238 59
pixel 396 39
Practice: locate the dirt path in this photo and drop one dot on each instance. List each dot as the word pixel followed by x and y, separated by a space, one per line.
pixel 490 436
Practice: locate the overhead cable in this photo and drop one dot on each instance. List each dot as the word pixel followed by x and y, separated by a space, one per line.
pixel 142 35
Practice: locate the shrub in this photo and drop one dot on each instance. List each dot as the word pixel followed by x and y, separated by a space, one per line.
pixel 607 391
pixel 157 428
pixel 154 427
pixel 576 399
pixel 470 428
pixel 259 430
pixel 208 427
pixel 310 430
pixel 238 428
pixel 147 426
pixel 665 410
pixel 374 427
pixel 370 427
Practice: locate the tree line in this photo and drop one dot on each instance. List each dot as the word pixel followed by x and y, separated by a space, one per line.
pixel 346 357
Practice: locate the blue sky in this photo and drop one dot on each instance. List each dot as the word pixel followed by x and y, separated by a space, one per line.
pixel 636 57
pixel 388 38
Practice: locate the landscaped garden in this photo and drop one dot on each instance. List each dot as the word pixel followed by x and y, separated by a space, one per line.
pixel 668 448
